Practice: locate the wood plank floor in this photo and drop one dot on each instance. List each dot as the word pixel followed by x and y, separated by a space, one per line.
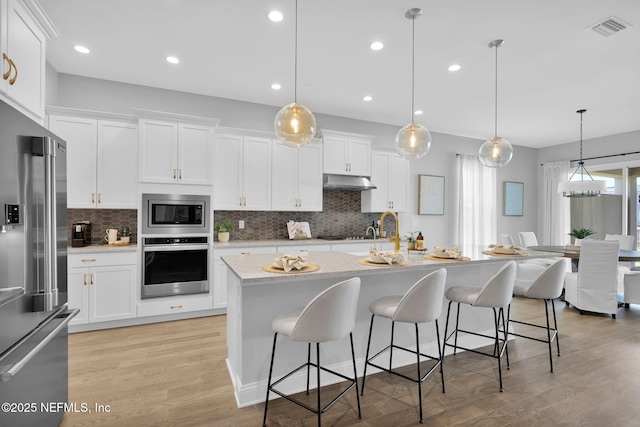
pixel 174 374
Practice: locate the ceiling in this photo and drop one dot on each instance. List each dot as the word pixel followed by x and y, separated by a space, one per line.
pixel 550 65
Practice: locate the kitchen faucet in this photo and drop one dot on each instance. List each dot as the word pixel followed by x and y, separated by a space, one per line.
pixel 396 238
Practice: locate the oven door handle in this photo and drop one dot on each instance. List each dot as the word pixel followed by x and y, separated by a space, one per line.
pixel 166 248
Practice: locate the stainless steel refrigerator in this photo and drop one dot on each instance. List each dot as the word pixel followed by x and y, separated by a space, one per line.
pixel 33 273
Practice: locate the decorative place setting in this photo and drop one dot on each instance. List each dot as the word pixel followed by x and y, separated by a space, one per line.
pixel 505 250
pixel 442 254
pixel 290 264
pixel 383 259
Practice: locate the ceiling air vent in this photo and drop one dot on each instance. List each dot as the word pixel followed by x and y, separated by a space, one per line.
pixel 609 26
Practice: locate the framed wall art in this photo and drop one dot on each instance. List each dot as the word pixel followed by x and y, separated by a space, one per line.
pixel 430 195
pixel 513 197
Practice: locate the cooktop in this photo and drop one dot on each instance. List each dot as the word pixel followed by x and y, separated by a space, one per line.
pixel 345 237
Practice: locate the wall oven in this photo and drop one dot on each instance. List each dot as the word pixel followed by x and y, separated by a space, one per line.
pixel 174 266
pixel 175 214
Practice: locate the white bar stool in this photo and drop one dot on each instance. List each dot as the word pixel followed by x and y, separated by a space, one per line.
pixel 420 304
pixel 496 294
pixel 330 316
pixel 546 287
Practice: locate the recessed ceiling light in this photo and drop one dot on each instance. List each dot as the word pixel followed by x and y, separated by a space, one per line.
pixel 81 49
pixel 376 46
pixel 275 16
pixel 367 98
pixel 454 67
pixel 418 112
pixel 172 59
pixel 275 86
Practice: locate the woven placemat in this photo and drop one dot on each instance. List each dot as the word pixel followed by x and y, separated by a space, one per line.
pixel 497 254
pixel 306 269
pixel 435 258
pixel 364 261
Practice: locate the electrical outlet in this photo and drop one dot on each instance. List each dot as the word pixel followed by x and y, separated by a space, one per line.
pixel 415 223
pixel 241 224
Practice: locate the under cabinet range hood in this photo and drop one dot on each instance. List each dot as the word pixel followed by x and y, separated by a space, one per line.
pixel 347 182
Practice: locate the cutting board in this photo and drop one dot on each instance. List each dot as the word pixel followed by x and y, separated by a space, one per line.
pixel 298 230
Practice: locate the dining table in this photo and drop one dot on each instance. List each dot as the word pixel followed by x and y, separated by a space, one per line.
pixel 623 255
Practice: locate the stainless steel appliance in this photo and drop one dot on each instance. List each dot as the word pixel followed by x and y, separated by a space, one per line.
pixel 81 234
pixel 175 266
pixel 33 272
pixel 175 214
pixel 345 237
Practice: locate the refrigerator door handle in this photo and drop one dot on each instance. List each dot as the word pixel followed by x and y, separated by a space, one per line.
pixel 6 373
pixel 47 147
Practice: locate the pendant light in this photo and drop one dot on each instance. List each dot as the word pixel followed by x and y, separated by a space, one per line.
pixel 413 140
pixel 582 188
pixel 295 124
pixel 496 152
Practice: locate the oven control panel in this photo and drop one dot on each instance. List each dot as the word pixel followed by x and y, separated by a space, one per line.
pixel 175 240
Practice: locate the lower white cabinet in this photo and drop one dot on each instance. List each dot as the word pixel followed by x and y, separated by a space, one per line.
pixel 220 270
pixel 174 305
pixel 102 286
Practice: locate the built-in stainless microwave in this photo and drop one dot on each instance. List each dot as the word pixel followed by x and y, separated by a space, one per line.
pixel 175 214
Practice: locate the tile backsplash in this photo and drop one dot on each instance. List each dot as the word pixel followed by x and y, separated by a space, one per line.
pixel 101 219
pixel 341 215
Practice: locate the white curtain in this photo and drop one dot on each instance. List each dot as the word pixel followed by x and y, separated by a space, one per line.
pixel 556 219
pixel 477 218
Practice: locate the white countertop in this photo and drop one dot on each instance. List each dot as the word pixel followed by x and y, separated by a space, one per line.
pixel 248 268
pixel 102 248
pixel 288 242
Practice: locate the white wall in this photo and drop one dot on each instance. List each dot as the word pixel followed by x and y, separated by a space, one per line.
pixel 101 95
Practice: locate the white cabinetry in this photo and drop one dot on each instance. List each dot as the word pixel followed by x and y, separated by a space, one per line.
pixel 102 286
pixel 296 178
pixel 102 157
pixel 175 149
pixel 347 153
pixel 220 270
pixel 242 171
pixel 390 174
pixel 24 29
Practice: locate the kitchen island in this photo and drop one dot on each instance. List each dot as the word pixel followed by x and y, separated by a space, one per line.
pixel 256 296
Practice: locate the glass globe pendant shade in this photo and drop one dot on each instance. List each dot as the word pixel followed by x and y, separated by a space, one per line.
pixel 295 125
pixel 495 152
pixel 413 141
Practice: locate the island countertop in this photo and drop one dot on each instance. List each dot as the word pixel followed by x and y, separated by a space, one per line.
pixel 248 267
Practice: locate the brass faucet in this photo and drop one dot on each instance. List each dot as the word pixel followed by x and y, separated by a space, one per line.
pixel 396 238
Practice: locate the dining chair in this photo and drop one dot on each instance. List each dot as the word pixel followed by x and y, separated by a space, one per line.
pixel 507 240
pixel 594 287
pixel 496 294
pixel 631 288
pixel 627 243
pixel 528 239
pixel 422 303
pixel 330 316
pixel 546 287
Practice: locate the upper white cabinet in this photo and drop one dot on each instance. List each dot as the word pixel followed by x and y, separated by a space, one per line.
pixel 390 175
pixel 175 149
pixel 242 170
pixel 296 177
pixel 102 157
pixel 347 153
pixel 24 29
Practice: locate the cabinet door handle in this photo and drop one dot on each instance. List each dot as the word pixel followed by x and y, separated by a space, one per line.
pixel 84 281
pixel 240 201
pixel 89 260
pixel 91 281
pixel 93 197
pixel 174 173
pixel 7 73
pixel 15 76
pixel 179 173
pixel 99 194
pixel 175 306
